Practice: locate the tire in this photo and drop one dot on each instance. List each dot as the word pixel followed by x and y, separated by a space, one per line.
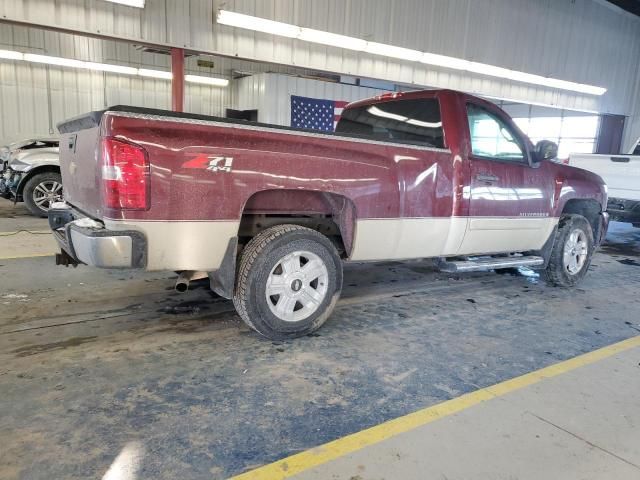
pixel 300 301
pixel 568 270
pixel 40 191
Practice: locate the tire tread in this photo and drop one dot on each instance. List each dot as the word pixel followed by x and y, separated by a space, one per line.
pixel 553 273
pixel 249 256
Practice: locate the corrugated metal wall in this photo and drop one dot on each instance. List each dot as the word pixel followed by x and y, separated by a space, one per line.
pixel 580 40
pixel 270 94
pixel 35 97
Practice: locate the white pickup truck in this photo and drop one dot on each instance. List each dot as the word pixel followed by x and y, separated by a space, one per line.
pixel 622 176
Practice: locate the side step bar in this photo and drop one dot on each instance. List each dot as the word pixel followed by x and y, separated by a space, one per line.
pixel 488 263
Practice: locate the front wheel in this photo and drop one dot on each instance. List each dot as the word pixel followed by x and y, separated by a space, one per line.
pixel 41 191
pixel 572 251
pixel 288 281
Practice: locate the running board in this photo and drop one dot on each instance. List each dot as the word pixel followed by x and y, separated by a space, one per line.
pixel 488 263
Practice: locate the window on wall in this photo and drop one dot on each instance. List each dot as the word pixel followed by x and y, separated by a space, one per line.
pixel 573 133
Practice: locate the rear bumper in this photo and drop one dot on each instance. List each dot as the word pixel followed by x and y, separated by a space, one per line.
pixel 88 242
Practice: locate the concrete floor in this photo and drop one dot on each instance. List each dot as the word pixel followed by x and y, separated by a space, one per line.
pixel 96 363
pixel 582 425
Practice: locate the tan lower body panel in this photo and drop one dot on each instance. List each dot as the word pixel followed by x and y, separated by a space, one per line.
pixel 176 246
pixel 405 238
pixel 173 245
pixel 516 234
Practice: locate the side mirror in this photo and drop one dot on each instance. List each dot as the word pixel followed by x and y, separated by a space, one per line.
pixel 545 150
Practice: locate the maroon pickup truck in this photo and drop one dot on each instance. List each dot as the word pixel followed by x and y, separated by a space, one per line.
pixel 269 213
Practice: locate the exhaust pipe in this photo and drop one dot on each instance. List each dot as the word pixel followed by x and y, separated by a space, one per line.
pixel 182 283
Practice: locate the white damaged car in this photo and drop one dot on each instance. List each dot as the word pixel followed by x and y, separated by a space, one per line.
pixel 30 172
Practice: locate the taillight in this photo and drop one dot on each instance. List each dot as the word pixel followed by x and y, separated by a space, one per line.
pixel 125 175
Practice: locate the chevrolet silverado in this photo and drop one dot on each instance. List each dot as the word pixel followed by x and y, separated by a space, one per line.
pixel 269 213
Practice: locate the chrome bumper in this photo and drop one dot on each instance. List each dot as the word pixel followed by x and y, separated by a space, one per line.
pixel 88 242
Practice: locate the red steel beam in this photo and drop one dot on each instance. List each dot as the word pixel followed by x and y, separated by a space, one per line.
pixel 177 81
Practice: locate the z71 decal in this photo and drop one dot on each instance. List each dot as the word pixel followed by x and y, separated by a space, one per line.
pixel 210 162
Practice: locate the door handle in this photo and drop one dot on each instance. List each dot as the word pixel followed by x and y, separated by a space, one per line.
pixel 483 177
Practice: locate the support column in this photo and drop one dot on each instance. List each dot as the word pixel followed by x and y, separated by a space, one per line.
pixel 177 82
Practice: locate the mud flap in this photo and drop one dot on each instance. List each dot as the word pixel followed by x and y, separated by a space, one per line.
pixel 223 280
pixel 547 248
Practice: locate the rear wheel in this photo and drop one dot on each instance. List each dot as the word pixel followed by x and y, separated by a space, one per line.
pixel 288 281
pixel 572 251
pixel 41 191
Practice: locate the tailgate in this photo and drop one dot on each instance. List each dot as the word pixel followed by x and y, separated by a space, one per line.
pixel 621 173
pixel 79 157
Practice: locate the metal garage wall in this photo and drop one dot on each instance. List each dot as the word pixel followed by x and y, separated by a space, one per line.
pixel 35 97
pixel 587 41
pixel 270 94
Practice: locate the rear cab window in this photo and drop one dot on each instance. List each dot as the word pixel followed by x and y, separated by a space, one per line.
pixel 412 121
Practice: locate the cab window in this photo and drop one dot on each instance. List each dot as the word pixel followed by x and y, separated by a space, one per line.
pixel 492 138
pixel 414 121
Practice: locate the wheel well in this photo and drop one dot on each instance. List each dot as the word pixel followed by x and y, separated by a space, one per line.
pixel 589 209
pixel 35 171
pixel 330 214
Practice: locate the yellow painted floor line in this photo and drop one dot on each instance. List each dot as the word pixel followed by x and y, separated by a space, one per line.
pixel 302 461
pixel 29 255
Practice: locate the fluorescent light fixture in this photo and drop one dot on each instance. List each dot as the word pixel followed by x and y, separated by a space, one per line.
pixel 71 63
pixel 393 52
pixel 154 73
pixel 11 55
pixel 331 39
pixel 216 82
pixel 129 3
pixel 62 62
pixel 258 24
pixel 107 67
pixel 444 61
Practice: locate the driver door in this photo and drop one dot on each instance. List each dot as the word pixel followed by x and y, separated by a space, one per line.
pixel 509 201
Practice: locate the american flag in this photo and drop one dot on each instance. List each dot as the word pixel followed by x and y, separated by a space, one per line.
pixel 315 113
